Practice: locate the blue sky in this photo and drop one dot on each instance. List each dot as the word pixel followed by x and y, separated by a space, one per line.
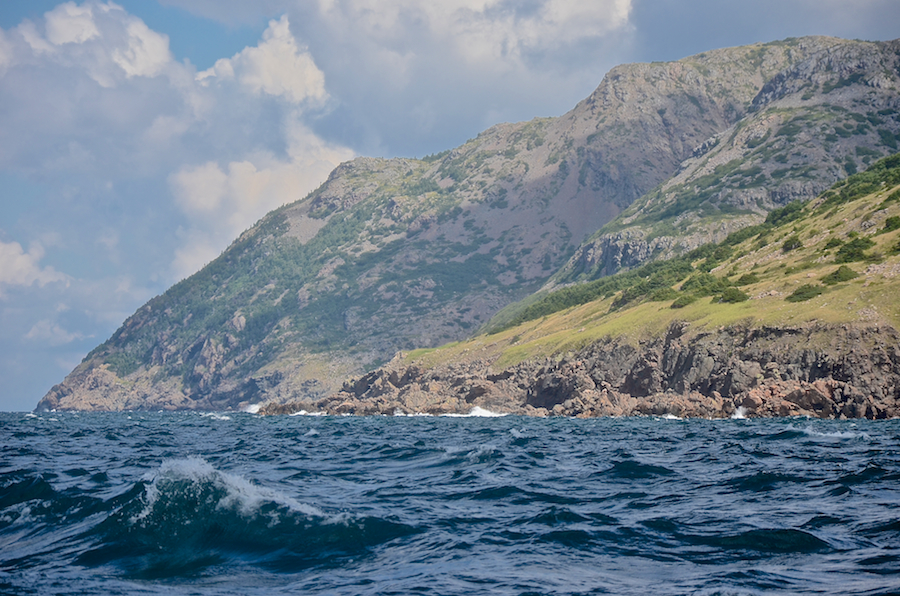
pixel 139 138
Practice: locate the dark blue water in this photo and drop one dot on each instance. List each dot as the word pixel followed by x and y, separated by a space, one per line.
pixel 238 504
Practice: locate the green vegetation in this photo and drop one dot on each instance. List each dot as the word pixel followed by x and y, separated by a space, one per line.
pixel 684 300
pixel 732 295
pixel 805 292
pixel 885 172
pixel 792 243
pixel 854 250
pixel 657 281
pixel 839 275
pixel 747 279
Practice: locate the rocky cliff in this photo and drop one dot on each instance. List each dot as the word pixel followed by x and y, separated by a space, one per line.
pixel 846 371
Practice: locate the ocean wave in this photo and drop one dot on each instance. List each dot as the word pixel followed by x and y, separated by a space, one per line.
pixel 215 416
pixel 809 431
pixel 188 516
pixel 629 469
pixel 778 540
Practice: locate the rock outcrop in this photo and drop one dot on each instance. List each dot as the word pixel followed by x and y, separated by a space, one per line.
pixel 845 371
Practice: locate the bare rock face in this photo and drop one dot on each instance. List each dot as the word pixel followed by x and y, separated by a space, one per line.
pixel 816 370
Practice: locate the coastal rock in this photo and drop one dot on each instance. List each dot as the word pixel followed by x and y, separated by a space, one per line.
pixel 814 370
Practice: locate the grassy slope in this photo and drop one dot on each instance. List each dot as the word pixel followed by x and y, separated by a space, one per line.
pixel 847 212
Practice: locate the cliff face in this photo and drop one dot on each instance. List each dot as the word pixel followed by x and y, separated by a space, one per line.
pixel 846 371
pixel 398 254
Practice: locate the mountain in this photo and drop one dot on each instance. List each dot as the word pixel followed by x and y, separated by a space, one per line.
pixel 821 119
pixel 391 255
pixel 796 316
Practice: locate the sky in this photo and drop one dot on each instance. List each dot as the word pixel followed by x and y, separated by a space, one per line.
pixel 138 138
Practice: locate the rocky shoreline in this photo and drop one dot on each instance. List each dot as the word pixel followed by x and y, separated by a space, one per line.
pixel 817 370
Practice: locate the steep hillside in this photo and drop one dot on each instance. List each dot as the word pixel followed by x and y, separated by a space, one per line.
pixel 795 316
pixel 825 117
pixel 397 254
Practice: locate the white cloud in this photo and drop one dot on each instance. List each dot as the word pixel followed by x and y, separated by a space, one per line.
pixel 100 40
pixel 146 54
pixel 200 189
pixel 69 23
pixel 497 31
pixel 34 39
pixel 20 268
pixel 48 332
pixel 277 67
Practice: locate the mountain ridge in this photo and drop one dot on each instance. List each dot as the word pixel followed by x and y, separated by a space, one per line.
pixel 398 254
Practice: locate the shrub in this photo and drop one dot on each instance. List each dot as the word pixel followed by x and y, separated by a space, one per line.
pixel 733 295
pixel 892 223
pixel 792 243
pixel 841 274
pixel 747 279
pixel 704 284
pixel 684 300
pixel 788 213
pixel 855 250
pixel 833 243
pixel 805 292
pixel 663 294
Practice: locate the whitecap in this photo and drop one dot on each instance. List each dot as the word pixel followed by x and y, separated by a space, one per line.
pixel 252 409
pixel 477 412
pixel 398 413
pixel 811 432
pixel 739 414
pixel 215 416
pixel 311 433
pixel 305 413
pixel 671 417
pixel 239 493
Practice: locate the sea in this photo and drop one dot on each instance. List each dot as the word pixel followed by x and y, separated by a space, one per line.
pixel 236 503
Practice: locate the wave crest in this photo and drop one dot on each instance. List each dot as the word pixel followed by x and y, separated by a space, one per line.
pixel 189 516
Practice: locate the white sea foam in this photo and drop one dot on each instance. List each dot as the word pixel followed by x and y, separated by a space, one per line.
pixel 305 413
pixel 739 414
pixel 810 431
pixel 240 495
pixel 30 415
pixel 215 416
pixel 311 433
pixel 252 409
pixel 398 413
pixel 477 412
pixel 671 417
